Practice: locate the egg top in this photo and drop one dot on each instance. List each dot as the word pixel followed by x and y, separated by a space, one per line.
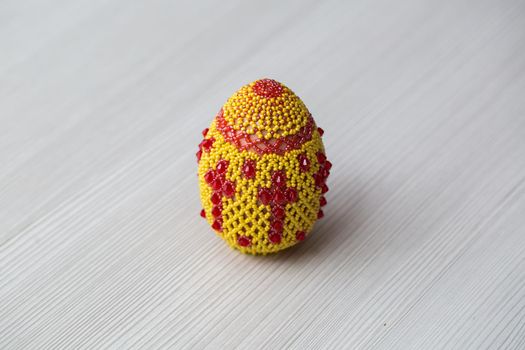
pixel 267 109
pixel 263 169
pixel 265 117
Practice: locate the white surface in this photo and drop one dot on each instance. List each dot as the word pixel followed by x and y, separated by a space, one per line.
pixel 101 108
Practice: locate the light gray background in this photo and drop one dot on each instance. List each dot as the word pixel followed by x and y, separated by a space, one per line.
pixel 101 107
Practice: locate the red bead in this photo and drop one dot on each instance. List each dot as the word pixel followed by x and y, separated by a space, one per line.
pixel 205 132
pixel 325 173
pixel 217 225
pixel 320 131
pixel 209 176
pixel 216 198
pixel 324 189
pixel 279 179
pixel 321 158
pixel 265 196
pixel 320 214
pixel 322 201
pixel 222 166
pixel 300 235
pixel 199 155
pixel 244 241
pixel 216 211
pixel 203 213
pixel 319 181
pixel 267 88
pixel 279 197
pixel 216 185
pixel 228 188
pixel 328 165
pixel 304 162
pixel 308 129
pixel 249 169
pixel 274 237
pixel 291 194
pixel 277 226
pixel 208 143
pixel 278 212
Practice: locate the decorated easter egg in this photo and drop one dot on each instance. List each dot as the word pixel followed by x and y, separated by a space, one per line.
pixel 263 169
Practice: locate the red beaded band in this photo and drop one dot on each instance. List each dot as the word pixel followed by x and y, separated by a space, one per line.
pixel 245 141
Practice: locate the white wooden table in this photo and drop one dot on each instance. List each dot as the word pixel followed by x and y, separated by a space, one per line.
pixel 101 107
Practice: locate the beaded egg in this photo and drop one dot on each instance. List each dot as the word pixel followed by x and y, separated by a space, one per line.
pixel 263 169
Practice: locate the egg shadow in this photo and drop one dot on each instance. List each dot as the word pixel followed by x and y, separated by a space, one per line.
pixel 342 218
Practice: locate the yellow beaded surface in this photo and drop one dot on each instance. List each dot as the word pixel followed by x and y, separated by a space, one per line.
pixel 246 221
pixel 267 117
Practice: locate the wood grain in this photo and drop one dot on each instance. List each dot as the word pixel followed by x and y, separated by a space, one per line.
pixel 101 107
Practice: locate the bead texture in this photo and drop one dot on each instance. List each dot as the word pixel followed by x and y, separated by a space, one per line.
pixel 263 169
